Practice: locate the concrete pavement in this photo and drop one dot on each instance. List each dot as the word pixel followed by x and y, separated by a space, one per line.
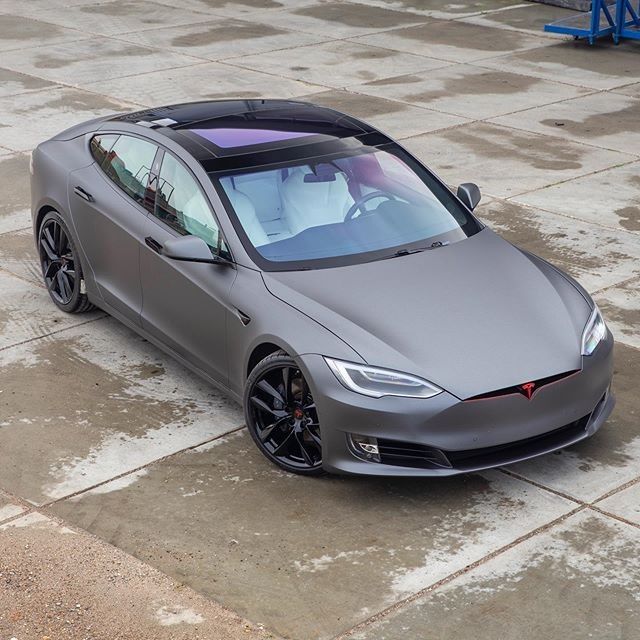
pixel 132 502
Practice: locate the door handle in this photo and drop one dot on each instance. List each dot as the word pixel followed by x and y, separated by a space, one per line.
pixel 153 244
pixel 85 195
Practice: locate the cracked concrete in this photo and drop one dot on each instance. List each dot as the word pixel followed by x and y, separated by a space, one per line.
pixel 132 502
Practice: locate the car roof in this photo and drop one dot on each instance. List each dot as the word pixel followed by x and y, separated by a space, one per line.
pixel 235 134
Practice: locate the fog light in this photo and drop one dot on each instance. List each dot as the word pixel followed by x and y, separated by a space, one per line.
pixel 366 447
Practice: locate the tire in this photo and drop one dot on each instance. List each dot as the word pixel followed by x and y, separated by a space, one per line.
pixel 281 416
pixel 60 263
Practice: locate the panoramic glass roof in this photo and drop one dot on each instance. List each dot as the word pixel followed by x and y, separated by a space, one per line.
pixel 231 137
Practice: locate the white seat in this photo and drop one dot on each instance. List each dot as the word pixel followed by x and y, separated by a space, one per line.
pixel 311 204
pixel 247 215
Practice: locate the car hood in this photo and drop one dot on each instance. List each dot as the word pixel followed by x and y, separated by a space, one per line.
pixel 473 317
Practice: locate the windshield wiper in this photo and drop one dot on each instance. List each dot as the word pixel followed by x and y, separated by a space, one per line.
pixel 406 252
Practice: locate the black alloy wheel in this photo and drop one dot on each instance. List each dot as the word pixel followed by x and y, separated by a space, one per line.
pixel 61 268
pixel 281 415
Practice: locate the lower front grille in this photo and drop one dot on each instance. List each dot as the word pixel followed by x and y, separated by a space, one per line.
pixel 409 454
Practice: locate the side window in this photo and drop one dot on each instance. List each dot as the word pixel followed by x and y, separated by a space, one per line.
pixel 101 145
pixel 128 164
pixel 181 204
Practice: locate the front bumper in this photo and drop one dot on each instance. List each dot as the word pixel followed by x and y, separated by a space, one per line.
pixel 472 434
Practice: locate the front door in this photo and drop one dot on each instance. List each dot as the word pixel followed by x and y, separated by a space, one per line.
pixel 185 304
pixel 108 211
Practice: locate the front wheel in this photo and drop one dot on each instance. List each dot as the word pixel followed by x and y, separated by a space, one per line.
pixel 281 415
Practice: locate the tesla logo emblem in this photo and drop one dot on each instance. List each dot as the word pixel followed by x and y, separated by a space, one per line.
pixel 527 389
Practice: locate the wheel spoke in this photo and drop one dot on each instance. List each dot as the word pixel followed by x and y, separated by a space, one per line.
pixel 286 382
pixel 267 388
pixel 302 445
pixel 261 404
pixel 51 269
pixel 284 444
pixel 315 439
pixel 46 242
pixel 68 290
pixel 266 432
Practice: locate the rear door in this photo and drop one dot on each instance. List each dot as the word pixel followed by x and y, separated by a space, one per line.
pixel 109 202
pixel 186 304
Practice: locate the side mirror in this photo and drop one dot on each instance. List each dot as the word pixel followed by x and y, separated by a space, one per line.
pixel 470 194
pixel 190 249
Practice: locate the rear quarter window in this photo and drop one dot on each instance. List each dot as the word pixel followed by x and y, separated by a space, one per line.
pixel 128 164
pixel 100 147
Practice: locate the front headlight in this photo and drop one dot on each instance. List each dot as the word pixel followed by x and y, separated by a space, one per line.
pixel 594 332
pixel 375 382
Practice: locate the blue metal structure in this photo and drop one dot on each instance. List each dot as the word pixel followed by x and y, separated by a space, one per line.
pixel 590 25
pixel 627 20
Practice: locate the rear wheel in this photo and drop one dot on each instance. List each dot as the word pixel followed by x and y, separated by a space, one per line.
pixel 61 269
pixel 281 415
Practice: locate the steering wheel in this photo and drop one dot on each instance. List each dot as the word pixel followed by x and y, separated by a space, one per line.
pixel 364 199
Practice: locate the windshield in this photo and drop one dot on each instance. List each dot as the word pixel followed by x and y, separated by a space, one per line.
pixel 342 209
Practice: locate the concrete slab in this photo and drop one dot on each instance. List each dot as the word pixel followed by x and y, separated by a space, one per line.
pixel 112 17
pixel 117 404
pixel 629 90
pixel 609 459
pixel 595 256
pixel 506 162
pixel 26 312
pixel 579 579
pixel 223 38
pixel 621 308
pixel 624 504
pixel 12 83
pixel 602 66
pixel 439 9
pixel 471 92
pixel 30 118
pixel 15 190
pixel 307 557
pixel 529 18
pixel 395 118
pixel 18 256
pixel 338 64
pixel 201 82
pixel 608 198
pixel 84 61
pixel 58 583
pixel 17 32
pixel 597 119
pixel 454 41
pixel 8 508
pixel 344 19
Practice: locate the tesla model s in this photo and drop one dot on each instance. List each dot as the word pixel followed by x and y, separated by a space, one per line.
pixel 315 270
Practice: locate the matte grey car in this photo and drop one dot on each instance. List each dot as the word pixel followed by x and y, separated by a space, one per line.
pixel 308 265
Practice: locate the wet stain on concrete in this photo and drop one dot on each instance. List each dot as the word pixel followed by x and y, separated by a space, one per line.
pixel 18 256
pixel 464 36
pixel 540 152
pixel 356 104
pixel 597 125
pixel 629 218
pixel 372 54
pixel 355 16
pixel 486 83
pixel 53 61
pixel 226 31
pixel 19 28
pixel 125 9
